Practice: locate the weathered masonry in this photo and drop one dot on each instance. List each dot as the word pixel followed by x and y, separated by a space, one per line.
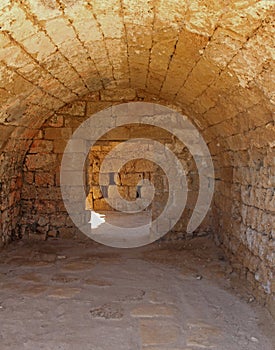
pixel 213 61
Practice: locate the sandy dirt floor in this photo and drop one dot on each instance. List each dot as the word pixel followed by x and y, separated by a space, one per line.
pixel 80 295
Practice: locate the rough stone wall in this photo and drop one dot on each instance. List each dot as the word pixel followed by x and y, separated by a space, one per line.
pixel 10 196
pixel 43 212
pixel 245 210
pixel 126 179
pixel 13 149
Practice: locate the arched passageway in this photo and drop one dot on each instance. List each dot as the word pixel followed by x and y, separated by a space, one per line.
pixel 62 61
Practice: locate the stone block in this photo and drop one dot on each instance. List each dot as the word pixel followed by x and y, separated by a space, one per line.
pixel 112 191
pixel 59 31
pixel 59 146
pixel 58 133
pixel 102 179
pixel 101 204
pixel 120 133
pixel 39 45
pixel 128 179
pixel 96 192
pixel 124 192
pixel 41 146
pixel 40 161
pixel 76 108
pixel 28 177
pixel 153 310
pixel 56 121
pixel 132 192
pixel 118 95
pixel 158 332
pixel 44 179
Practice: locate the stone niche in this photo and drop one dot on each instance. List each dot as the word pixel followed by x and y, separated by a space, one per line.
pixel 125 182
pixel 104 188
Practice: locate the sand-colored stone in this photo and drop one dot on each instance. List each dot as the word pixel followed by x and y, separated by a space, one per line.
pixel 63 292
pixel 202 335
pixel 78 265
pixel 214 61
pixel 34 290
pixel 32 277
pixel 97 282
pixel 153 310
pixel 158 332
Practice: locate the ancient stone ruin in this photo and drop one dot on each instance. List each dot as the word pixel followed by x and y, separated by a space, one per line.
pixel 64 61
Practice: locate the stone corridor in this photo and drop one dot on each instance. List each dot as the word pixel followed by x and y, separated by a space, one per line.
pixel 64 63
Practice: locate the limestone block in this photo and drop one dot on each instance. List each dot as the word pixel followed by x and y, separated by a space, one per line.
pixel 44 207
pixel 131 179
pixel 58 220
pixel 51 194
pixel 242 22
pixel 112 191
pixel 223 46
pixel 132 192
pixel 133 21
pixel 203 18
pixel 4 3
pixel 59 146
pixel 89 202
pixel 103 180
pixel 58 133
pixel 118 95
pixel 120 133
pixel 28 177
pixel 16 23
pixel 44 179
pixel 39 45
pixel 93 179
pixel 153 310
pixel 112 26
pixel 139 166
pixel 40 161
pixel 75 108
pixel 156 332
pixel 96 192
pixel 59 30
pixel 101 204
pixel 41 146
pixel 96 106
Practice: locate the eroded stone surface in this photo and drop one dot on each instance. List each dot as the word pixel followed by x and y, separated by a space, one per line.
pixel 63 292
pixel 202 335
pixel 153 311
pixel 34 290
pixel 136 303
pixel 78 265
pixel 108 312
pixel 158 332
pixel 98 282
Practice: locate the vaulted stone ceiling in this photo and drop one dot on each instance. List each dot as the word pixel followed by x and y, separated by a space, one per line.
pixel 214 58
